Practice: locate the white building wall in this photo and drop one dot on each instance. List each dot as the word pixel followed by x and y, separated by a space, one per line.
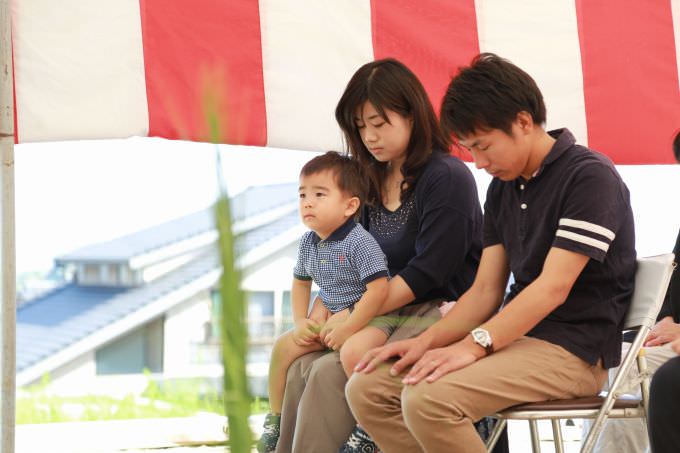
pixel 275 273
pixel 76 377
pixel 185 327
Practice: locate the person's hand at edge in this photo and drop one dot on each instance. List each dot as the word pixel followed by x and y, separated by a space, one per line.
pixel 665 331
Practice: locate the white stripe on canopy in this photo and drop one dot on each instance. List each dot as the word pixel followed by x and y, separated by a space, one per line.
pixel 328 45
pixel 79 70
pixel 542 38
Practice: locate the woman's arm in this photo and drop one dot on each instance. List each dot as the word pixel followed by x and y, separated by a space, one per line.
pixel 449 227
pixel 398 295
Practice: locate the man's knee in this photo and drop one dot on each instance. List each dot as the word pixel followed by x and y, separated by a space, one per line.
pixel 421 404
pixel 362 392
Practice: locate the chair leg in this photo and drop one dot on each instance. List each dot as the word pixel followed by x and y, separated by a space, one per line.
pixel 644 383
pixel 535 442
pixel 495 434
pixel 557 436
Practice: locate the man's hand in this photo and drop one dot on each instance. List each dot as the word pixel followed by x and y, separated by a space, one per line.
pixel 665 331
pixel 441 361
pixel 306 332
pixel 409 352
pixel 337 336
pixel 332 322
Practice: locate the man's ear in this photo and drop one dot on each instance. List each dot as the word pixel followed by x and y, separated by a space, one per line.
pixel 352 206
pixel 525 121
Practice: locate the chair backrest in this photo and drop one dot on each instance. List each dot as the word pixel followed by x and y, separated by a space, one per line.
pixel 651 283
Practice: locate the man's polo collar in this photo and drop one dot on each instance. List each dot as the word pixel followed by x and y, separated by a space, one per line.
pixel 339 234
pixel 563 141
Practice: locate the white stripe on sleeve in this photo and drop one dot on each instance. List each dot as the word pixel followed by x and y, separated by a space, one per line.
pixel 583 239
pixel 587 226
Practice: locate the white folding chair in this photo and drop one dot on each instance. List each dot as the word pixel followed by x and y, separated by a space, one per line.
pixel 651 282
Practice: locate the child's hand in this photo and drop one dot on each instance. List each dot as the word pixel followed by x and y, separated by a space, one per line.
pixel 332 322
pixel 306 332
pixel 337 336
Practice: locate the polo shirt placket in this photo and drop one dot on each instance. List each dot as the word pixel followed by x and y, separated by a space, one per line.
pixel 575 201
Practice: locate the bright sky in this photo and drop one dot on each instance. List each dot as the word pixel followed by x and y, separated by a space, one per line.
pixel 72 194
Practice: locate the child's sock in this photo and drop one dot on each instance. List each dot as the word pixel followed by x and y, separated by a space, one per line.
pixel 359 442
pixel 270 435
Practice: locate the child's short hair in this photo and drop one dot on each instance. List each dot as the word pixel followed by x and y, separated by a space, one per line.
pixel 345 170
pixel 489 94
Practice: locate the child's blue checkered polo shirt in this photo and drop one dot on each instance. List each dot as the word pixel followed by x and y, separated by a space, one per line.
pixel 341 265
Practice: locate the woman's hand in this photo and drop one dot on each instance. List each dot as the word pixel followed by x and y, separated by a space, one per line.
pixel 332 322
pixel 306 332
pixel 409 352
pixel 665 331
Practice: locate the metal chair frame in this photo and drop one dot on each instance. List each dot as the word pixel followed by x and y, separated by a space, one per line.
pixel 651 282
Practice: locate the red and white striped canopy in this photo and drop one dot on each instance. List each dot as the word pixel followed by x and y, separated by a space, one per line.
pixel 275 69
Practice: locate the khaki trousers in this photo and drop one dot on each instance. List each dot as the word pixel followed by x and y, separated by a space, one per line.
pixel 315 417
pixel 438 417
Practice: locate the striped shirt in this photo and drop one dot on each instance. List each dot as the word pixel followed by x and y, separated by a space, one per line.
pixel 341 265
pixel 576 201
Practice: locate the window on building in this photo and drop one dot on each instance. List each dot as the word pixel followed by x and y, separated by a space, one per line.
pixel 287 310
pixel 261 321
pixel 260 314
pixel 90 274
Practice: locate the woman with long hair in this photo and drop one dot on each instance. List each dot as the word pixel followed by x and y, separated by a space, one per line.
pixel 423 210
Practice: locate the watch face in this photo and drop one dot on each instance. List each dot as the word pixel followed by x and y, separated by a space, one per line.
pixel 482 337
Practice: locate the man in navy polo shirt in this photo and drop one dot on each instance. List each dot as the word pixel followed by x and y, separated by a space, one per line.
pixel 558 217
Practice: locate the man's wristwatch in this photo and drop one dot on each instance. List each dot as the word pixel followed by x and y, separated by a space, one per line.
pixel 482 338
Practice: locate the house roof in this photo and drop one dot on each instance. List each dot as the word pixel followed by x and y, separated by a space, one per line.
pixel 249 204
pixel 52 323
pixel 57 327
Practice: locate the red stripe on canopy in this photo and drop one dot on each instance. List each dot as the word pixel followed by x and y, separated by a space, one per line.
pixel 630 79
pixel 432 37
pixel 203 62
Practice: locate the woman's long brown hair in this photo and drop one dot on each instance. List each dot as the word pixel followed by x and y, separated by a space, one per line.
pixel 389 85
